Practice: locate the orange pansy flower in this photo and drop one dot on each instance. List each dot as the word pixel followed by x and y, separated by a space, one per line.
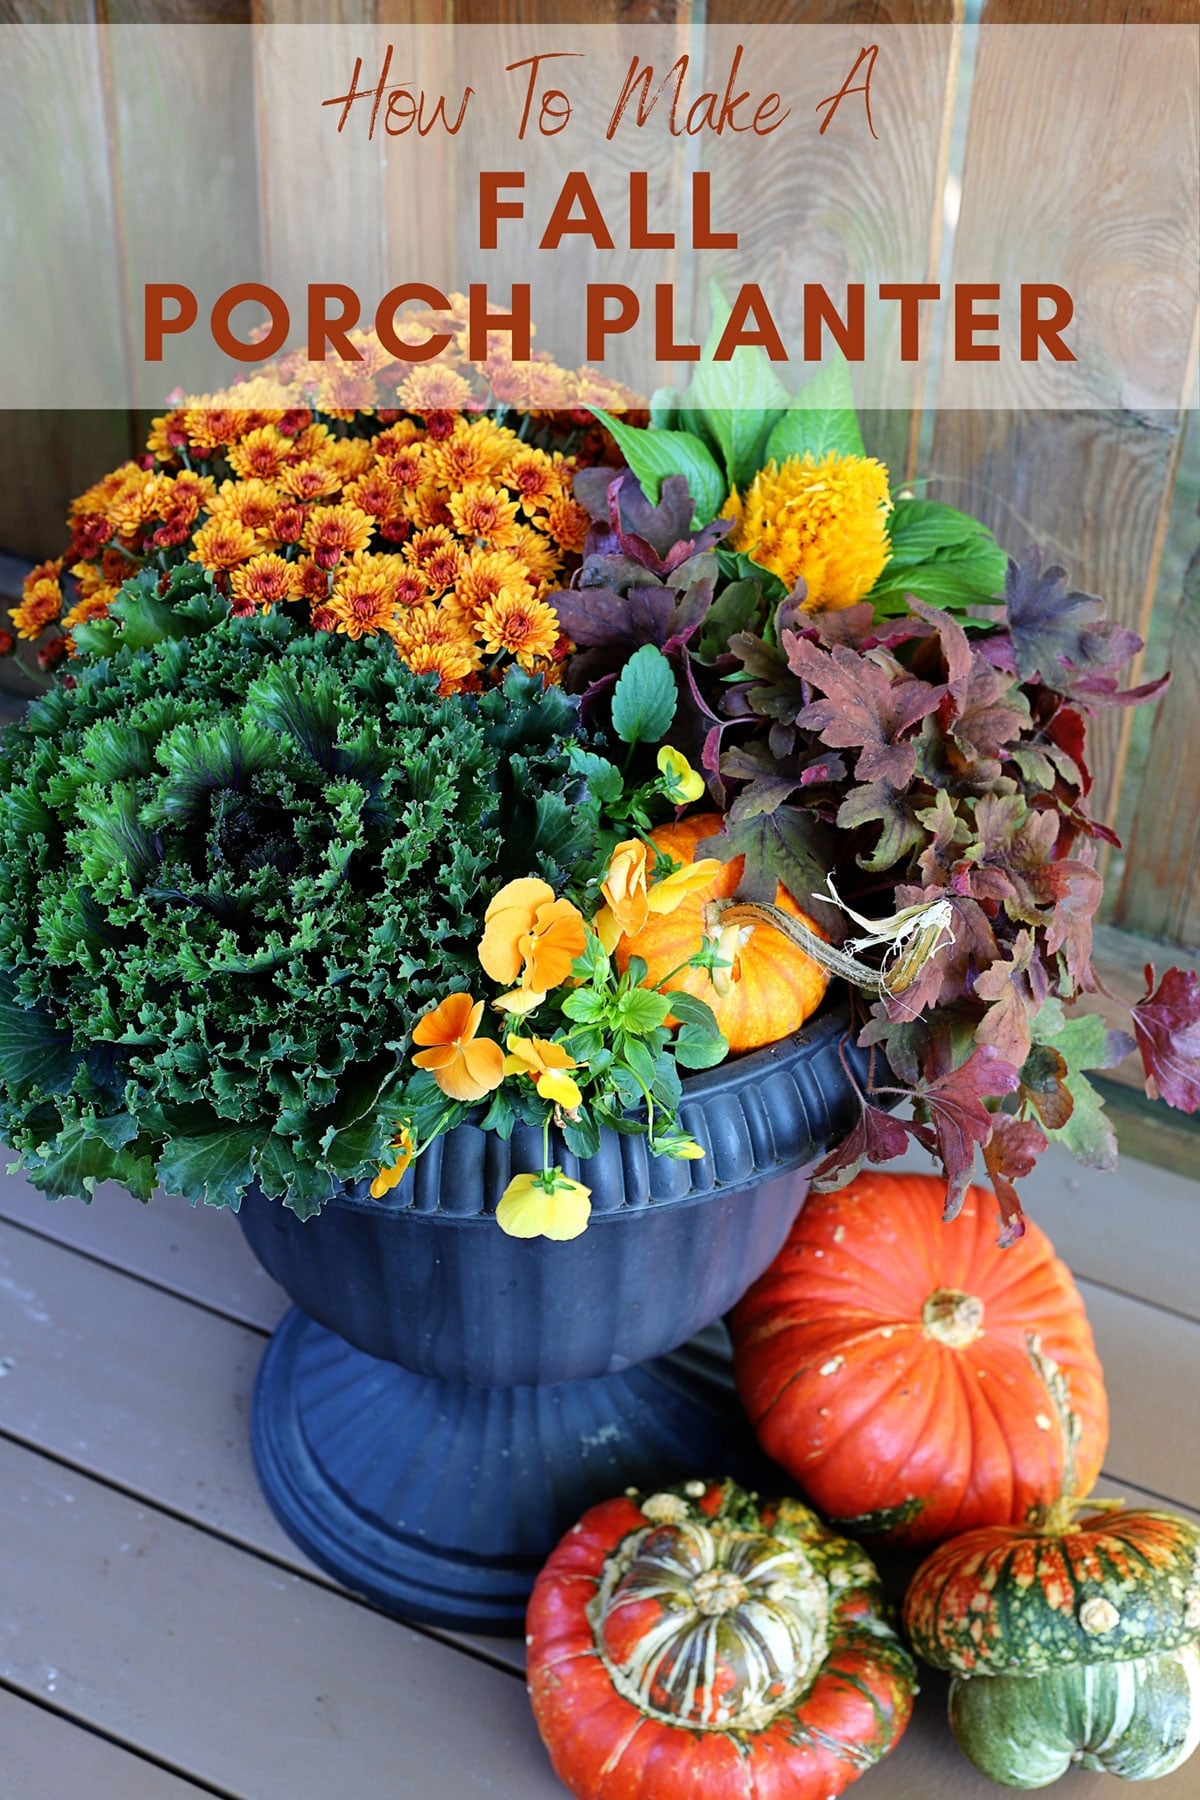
pixel 531 936
pixel 465 1067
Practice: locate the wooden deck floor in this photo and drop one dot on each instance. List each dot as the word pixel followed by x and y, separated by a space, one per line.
pixel 160 1637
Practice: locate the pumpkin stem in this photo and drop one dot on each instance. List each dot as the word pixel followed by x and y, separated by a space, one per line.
pixel 1061 1516
pixel 952 1317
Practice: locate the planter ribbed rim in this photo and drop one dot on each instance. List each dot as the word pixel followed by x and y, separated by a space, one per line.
pixel 756 1117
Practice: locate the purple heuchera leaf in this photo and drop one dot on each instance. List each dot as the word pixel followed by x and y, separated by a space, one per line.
pixel 1167 1023
pixel 1010 1153
pixel 876 1138
pixel 961 1121
pixel 1060 636
pixel 870 703
pixel 657 537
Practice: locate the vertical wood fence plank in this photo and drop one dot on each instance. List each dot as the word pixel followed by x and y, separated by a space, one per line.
pixel 1160 893
pixel 1094 488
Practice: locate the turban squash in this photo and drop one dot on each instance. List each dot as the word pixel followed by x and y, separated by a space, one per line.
pixel 1072 1644
pixel 913 1378
pixel 702 1642
pixel 772 987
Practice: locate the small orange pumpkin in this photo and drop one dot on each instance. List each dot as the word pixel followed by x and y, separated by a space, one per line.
pixel 912 1376
pixel 773 986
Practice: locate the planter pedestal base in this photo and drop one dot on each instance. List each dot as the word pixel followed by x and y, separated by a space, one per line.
pixel 440 1501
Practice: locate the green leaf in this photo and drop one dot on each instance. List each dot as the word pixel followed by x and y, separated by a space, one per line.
pixel 738 402
pixel 821 418
pixel 79 1159
pixel 695 1048
pixel 645 697
pixel 652 455
pixel 664 409
pixel 1083 1042
pixel 642 1011
pixel 741 606
pixel 586 1006
pixel 582 1136
pixel 603 778
pixel 215 1167
pixel 940 555
pixel 33 1051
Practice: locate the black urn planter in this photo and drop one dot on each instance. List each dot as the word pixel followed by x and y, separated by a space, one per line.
pixel 444 1401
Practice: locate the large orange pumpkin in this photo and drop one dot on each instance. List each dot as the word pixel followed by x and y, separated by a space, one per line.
pixel 914 1378
pixel 773 986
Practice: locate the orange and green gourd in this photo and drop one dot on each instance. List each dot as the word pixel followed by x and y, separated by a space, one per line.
pixel 771 987
pixel 1070 1643
pixel 699 1641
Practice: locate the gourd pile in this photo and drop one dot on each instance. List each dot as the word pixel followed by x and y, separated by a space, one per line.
pixel 922 1388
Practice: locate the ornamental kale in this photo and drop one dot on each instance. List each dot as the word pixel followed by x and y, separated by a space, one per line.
pixel 237 864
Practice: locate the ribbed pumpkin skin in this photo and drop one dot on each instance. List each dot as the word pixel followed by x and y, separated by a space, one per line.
pixel 615 1605
pixel 888 1429
pixel 1135 1720
pixel 776 988
pixel 1111 1587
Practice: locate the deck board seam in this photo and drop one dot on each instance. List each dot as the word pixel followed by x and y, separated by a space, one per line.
pixel 100 1261
pixel 31 1697
pixel 1160 1306
pixel 1168 1500
pixel 314 1578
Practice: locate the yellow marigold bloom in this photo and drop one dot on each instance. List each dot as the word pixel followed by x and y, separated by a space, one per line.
pixel 392 1174
pixel 548 1205
pixel 332 532
pixel 361 601
pixel 311 479
pixel 41 603
pixel 432 389
pixel 567 522
pixel 263 452
pixel 820 520
pixel 482 511
pixel 263 583
pixel 546 1065
pixel 465 1066
pixel 531 935
pixel 525 627
pixel 684 784
pixel 223 544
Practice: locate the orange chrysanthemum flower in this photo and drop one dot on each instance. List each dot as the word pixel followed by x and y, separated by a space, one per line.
pixel 361 603
pixel 264 583
pixel 311 479
pixel 210 428
pixel 223 544
pixel 93 605
pixel 332 532
pixel 464 1065
pixel 253 503
pixel 432 389
pixel 464 456
pixel 490 575
pixel 374 493
pixel 263 452
pixel 567 522
pixel 530 935
pixel 41 603
pixel 535 554
pixel 525 627
pixel 533 475
pixel 451 663
pixel 482 511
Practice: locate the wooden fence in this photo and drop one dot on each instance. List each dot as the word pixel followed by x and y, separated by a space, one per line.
pixel 1096 488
